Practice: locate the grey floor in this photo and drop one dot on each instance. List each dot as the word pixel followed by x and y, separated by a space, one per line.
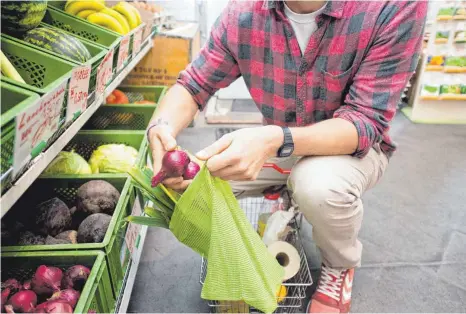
pixel 414 233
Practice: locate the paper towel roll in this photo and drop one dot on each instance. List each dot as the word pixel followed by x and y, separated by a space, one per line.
pixel 287 256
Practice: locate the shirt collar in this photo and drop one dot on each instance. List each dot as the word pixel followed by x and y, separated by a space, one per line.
pixel 332 8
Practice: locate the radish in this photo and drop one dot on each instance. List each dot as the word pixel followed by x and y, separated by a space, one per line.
pixel 191 170
pixel 174 164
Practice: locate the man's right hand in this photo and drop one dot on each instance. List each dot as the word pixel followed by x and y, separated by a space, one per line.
pixel 161 140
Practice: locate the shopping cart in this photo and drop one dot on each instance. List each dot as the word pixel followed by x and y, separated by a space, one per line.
pixel 297 285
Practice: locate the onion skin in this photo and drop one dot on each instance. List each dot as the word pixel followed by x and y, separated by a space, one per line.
pixel 27 285
pixel 191 170
pixel 13 284
pixel 54 307
pixel 46 280
pixel 69 296
pixel 75 277
pixel 174 164
pixel 23 301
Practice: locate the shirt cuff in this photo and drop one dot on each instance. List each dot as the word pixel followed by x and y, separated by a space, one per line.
pixel 200 95
pixel 367 132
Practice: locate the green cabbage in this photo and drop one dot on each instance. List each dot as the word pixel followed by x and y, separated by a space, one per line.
pixel 68 163
pixel 113 158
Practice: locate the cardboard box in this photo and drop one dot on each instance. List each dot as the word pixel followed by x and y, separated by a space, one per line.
pixel 173 50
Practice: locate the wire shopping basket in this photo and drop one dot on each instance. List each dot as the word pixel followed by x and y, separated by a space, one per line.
pixel 295 286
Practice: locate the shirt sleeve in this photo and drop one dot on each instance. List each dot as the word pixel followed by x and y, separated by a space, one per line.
pixel 383 74
pixel 214 67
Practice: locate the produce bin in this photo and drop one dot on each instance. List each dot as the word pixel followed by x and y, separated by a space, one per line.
pixel 97 293
pixel 65 188
pixel 14 100
pixel 128 116
pixel 42 72
pixel 84 29
pixel 97 54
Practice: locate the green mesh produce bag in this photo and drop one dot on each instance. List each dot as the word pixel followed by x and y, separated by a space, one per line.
pixel 208 219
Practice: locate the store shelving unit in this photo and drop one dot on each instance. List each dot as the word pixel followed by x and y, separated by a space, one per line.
pixel 42 161
pixel 435 74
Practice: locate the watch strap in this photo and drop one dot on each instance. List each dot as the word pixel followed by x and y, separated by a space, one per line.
pixel 288 138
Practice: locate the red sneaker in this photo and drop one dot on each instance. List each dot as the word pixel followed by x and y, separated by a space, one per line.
pixel 333 293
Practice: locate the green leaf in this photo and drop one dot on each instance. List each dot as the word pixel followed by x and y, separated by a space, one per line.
pixel 148 221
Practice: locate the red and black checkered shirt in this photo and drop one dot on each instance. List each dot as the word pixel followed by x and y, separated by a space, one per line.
pixel 355 66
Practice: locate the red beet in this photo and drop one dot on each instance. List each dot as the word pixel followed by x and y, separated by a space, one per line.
pixel 54 307
pixel 70 296
pixel 46 280
pixel 174 164
pixel 75 277
pixel 191 170
pixel 13 284
pixel 23 301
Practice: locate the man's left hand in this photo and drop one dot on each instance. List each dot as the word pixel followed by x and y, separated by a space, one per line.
pixel 240 155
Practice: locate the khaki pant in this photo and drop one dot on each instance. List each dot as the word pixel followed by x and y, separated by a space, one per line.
pixel 327 190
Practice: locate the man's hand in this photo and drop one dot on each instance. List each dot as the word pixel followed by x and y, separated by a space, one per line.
pixel 161 141
pixel 240 155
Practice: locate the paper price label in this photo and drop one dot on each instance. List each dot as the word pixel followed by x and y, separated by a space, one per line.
pixel 104 74
pixel 133 230
pixel 123 52
pixel 36 124
pixel 137 40
pixel 78 90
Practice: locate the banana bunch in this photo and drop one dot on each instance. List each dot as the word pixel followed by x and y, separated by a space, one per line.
pixel 121 18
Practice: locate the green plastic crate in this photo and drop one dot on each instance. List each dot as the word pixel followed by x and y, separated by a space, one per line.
pixel 84 29
pixel 97 54
pixel 135 93
pixel 121 117
pixel 96 295
pixel 14 100
pixel 65 188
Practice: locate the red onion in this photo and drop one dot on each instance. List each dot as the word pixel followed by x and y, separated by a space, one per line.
pixel 174 164
pixel 26 285
pixel 54 307
pixel 9 309
pixel 70 296
pixel 91 311
pixel 5 294
pixel 23 301
pixel 75 277
pixel 191 170
pixel 46 280
pixel 13 284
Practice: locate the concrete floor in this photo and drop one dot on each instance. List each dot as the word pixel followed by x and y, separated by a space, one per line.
pixel 414 233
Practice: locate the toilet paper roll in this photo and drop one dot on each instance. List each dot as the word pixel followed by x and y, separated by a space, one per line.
pixel 287 256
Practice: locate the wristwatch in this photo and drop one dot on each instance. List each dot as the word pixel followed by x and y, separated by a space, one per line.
pixel 288 145
pixel 153 124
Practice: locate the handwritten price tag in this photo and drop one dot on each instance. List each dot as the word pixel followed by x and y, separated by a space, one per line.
pixel 123 52
pixel 104 74
pixel 78 90
pixel 137 40
pixel 133 230
pixel 36 124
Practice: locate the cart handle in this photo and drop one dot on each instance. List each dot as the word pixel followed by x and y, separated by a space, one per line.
pixel 277 168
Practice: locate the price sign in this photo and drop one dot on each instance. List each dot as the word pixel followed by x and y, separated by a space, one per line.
pixel 77 92
pixel 133 230
pixel 36 124
pixel 123 52
pixel 137 40
pixel 104 74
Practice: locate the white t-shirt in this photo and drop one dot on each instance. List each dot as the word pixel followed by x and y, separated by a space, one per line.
pixel 303 25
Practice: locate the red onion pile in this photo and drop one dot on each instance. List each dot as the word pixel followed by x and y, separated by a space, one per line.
pixel 45 285
pixel 175 164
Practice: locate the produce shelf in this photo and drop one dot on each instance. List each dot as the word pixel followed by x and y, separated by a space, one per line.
pixel 42 161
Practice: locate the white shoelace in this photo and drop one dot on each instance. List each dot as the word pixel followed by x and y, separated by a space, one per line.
pixel 331 282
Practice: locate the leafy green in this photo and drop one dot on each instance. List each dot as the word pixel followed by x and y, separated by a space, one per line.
pixel 431 88
pixel 113 158
pixel 446 11
pixel 68 163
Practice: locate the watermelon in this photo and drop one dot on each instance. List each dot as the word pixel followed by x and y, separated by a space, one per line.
pixel 21 16
pixel 58 42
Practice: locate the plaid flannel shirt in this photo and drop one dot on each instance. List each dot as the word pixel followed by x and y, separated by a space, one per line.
pixel 355 66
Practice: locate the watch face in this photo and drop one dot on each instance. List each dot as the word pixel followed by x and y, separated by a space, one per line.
pixel 286 150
